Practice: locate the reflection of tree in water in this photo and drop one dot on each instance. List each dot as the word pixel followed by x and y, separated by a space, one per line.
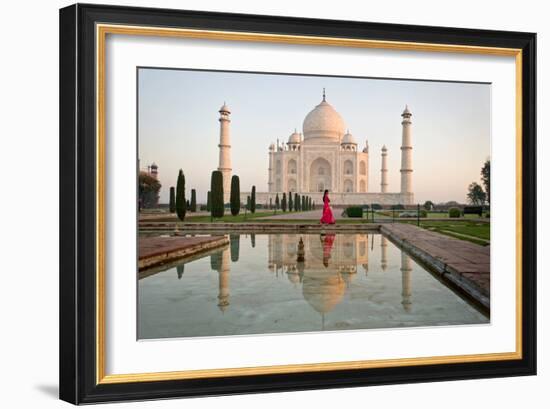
pixel 253 240
pixel 216 261
pixel 234 240
pixel 180 269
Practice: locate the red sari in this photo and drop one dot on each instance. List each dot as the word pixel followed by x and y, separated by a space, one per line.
pixel 327 218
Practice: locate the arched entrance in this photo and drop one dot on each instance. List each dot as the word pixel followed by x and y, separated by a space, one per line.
pixel 320 175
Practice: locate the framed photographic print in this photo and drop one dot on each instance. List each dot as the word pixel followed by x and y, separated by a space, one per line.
pixel 257 203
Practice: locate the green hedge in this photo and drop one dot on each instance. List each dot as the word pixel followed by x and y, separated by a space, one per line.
pixel 354 211
pixel 454 212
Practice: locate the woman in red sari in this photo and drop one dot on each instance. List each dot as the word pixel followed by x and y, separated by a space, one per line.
pixel 327 217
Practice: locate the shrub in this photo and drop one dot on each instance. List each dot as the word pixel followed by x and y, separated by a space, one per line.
pixel 473 210
pixel 376 206
pixel 398 207
pixel 172 199
pixel 216 187
pixel 180 196
pixel 354 211
pixel 290 202
pixel 454 212
pixel 235 196
pixel 423 213
pixel 193 206
pixel 253 200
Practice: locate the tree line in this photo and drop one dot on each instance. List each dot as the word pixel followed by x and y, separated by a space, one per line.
pixel 478 194
pixel 215 198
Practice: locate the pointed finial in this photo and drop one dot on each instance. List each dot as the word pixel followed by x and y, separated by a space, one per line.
pixel 324 95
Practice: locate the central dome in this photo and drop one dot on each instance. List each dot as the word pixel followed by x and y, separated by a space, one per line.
pixel 323 122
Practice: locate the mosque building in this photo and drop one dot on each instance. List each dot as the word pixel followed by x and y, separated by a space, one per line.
pixel 324 156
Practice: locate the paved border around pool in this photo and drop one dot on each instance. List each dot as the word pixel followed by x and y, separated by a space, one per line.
pixel 466 265
pixel 154 251
pixel 185 228
pixel 463 264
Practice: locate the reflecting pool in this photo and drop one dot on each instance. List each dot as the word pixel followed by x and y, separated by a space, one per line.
pixel 272 283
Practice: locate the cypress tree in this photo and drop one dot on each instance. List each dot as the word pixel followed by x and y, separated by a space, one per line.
pixel 248 202
pixel 172 199
pixel 296 202
pixel 208 201
pixel 180 196
pixel 270 204
pixel 253 200
pixel 290 202
pixel 193 200
pixel 188 205
pixel 235 197
pixel 216 187
pixel 277 202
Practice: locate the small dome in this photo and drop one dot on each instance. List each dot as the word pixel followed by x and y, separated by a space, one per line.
pixel 323 122
pixel 406 111
pixel 272 147
pixel 295 137
pixel 154 166
pixel 224 108
pixel 384 149
pixel 348 138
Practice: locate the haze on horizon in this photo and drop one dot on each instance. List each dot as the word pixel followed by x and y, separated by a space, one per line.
pixel 178 126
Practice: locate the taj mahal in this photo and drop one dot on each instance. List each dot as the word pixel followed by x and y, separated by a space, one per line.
pixel 325 156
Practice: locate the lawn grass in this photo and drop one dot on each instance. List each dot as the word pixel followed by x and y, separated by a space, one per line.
pixel 227 218
pixel 479 233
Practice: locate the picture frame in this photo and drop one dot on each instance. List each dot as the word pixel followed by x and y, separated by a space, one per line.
pixel 83 30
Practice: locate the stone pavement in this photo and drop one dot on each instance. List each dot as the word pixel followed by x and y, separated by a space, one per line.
pixel 309 215
pixel 159 250
pixel 465 264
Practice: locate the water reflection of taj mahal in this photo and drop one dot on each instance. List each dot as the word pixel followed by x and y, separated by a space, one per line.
pixel 329 267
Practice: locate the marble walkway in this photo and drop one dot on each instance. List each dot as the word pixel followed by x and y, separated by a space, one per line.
pixel 465 264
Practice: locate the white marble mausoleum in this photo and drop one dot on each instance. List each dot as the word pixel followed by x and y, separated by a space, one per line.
pixel 324 156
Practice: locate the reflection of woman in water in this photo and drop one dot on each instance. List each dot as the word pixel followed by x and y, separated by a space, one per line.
pixel 328 241
pixel 327 218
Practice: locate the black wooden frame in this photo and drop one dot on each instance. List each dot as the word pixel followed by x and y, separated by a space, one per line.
pixel 78 220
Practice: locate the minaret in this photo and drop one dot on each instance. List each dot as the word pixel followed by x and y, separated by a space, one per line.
pixel 384 171
pixel 406 270
pixel 225 151
pixel 406 153
pixel 384 253
pixel 223 279
pixel 270 170
pixel 154 170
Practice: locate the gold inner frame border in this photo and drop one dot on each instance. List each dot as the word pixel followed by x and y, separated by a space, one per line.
pixel 102 30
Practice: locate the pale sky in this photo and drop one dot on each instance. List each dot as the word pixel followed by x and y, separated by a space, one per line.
pixel 178 126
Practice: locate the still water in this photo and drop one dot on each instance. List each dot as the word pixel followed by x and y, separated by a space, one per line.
pixel 256 285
